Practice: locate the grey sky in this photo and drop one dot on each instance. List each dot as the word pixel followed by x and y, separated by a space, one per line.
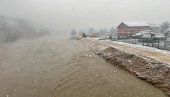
pixel 62 15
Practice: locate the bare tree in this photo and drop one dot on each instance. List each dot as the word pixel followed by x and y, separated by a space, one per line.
pixel 73 32
pixel 91 31
pixel 112 33
pixel 103 32
pixel 12 29
pixel 164 26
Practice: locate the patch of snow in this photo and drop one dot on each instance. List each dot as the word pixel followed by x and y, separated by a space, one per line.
pixel 135 24
pixel 144 47
pixel 109 43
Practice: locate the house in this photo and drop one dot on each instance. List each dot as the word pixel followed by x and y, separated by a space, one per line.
pixel 155 28
pixel 127 29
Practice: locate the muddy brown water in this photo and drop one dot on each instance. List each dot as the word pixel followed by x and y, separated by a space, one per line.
pixel 48 67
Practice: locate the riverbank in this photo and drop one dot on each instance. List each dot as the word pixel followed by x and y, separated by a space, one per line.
pixel 144 67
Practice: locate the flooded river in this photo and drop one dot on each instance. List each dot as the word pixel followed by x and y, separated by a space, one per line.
pixel 64 68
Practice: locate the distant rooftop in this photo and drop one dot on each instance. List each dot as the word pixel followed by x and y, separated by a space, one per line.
pixel 153 25
pixel 135 24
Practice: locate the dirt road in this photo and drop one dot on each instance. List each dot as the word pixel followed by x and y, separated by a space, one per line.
pixel 48 67
pixel 154 53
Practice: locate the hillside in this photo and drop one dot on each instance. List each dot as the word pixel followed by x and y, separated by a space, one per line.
pixel 12 29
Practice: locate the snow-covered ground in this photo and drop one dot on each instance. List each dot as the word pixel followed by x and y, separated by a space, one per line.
pixel 150 52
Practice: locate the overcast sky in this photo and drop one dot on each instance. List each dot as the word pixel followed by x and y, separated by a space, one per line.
pixel 62 15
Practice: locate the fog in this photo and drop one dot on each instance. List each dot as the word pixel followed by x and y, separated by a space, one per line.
pixel 63 15
pixel 71 48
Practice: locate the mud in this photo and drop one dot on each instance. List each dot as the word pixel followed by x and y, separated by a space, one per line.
pixel 150 70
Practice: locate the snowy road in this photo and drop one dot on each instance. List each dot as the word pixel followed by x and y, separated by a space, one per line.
pixel 64 68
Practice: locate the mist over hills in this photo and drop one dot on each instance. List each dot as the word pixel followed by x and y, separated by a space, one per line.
pixel 12 29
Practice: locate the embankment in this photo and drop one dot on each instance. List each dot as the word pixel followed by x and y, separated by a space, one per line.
pixel 148 69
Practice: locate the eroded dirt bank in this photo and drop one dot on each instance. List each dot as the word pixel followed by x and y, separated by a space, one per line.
pixel 145 68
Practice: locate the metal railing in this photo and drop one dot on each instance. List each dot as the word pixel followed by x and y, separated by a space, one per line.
pixel 155 42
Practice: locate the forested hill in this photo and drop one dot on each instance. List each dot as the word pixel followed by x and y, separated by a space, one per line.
pixel 12 29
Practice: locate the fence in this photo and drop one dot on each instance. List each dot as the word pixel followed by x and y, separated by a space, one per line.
pixel 160 42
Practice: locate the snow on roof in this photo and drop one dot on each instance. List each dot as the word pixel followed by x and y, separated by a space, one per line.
pixel 167 30
pixel 153 25
pixel 135 24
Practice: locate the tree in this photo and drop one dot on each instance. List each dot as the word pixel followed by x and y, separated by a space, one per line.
pixel 103 32
pixel 73 32
pixel 91 31
pixel 164 26
pixel 84 35
pixel 43 32
pixel 81 31
pixel 112 33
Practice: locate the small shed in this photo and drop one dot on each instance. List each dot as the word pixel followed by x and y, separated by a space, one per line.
pixel 149 34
